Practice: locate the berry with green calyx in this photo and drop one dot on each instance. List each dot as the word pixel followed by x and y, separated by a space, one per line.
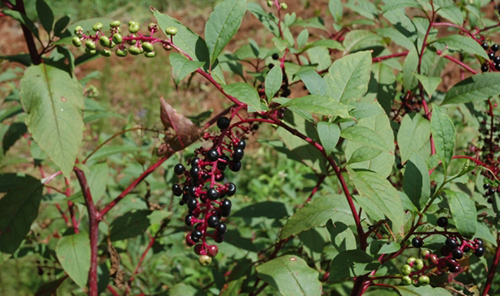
pixel 115 24
pixel 426 253
pixel 134 50
pixel 424 280
pixel 148 47
pixel 89 44
pixel 406 270
pixel 78 30
pixel 133 28
pixel 152 27
pixel 131 23
pixel 121 52
pixel 90 51
pixel 205 260
pixel 270 3
pixel 76 41
pixel 150 54
pixel 105 52
pixel 104 41
pixel 411 260
pixel 406 280
pixel 112 44
pixel 97 27
pixel 283 5
pixel 419 264
pixel 117 38
pixel 171 31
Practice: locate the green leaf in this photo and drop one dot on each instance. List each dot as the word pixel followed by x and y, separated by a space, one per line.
pixel 484 232
pixel 363 7
pixel 449 10
pixel 268 20
pixel 316 213
pixel 222 24
pixel 14 132
pixel 421 291
pixel 73 252
pixel 476 88
pixel 129 225
pixel 98 180
pixel 409 67
pixel 463 211
pixel 329 134
pixel 336 9
pixel 429 83
pixel 383 247
pixel 416 181
pixel 320 56
pixel 45 15
pixel 23 19
pixel 18 209
pixel 463 44
pixel 274 79
pixel 443 132
pixel 351 263
pixel 360 39
pixel 313 81
pixel 182 67
pixel 290 275
pixel 268 209
pixel 377 188
pixel 323 105
pixel 413 133
pixel 366 136
pixel 60 25
pixel 245 93
pixel 348 77
pixel 341 236
pixel 53 102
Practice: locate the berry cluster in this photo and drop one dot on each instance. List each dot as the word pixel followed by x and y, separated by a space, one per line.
pixel 494 64
pixel 134 42
pixel 202 191
pixel 410 103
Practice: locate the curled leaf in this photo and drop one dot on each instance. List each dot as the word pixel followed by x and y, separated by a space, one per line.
pixel 184 131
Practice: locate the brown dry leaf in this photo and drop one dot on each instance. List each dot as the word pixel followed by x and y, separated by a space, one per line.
pixel 185 131
pixel 114 258
pixel 119 282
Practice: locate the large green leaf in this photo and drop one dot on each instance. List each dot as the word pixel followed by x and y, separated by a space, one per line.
pixel 222 24
pixel 313 81
pixel 245 93
pixel 73 252
pixel 274 79
pixel 290 275
pixel 53 102
pixel 421 291
pixel 45 15
pixel 464 44
pixel 463 211
pixel 130 225
pixel 412 135
pixel 18 209
pixel 416 181
pixel 323 105
pixel 348 77
pixel 317 213
pixel 351 263
pixel 443 132
pixel 476 88
pixel 182 67
pixel 376 187
pixel 329 134
pixel 429 83
pixel 366 136
pixel 409 67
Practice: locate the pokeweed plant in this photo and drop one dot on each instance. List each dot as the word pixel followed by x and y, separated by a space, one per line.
pixel 384 121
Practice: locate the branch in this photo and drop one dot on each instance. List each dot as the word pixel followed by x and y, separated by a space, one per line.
pixel 493 268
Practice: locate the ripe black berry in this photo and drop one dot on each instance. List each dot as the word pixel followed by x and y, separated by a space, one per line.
pixel 275 56
pixel 466 249
pixel 486 186
pixel 494 47
pixel 188 220
pixel 221 229
pixel 479 251
pixel 271 65
pixel 417 242
pixel 192 204
pixel 221 165
pixel 219 177
pixel 485 68
pixel 223 123
pixel 286 92
pixel 231 189
pixel 453 266
pixel 195 161
pixel 496 59
pixel 212 155
pixel 241 144
pixel 176 188
pixel 491 55
pixel 213 221
pixel 497 66
pixel 457 253
pixel 235 166
pixel 194 172
pixel 451 243
pixel 219 238
pixel 196 235
pixel 212 194
pixel 238 154
pixel 479 242
pixel 442 222
pixel 485 45
pixel 225 208
pixel 179 169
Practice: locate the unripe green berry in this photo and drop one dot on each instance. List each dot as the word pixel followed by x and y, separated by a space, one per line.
pixel 105 52
pixel 130 23
pixel 115 24
pixel 121 52
pixel 132 41
pixel 406 280
pixel 283 5
pixel 411 260
pixel 171 31
pixel 152 26
pixel 134 50
pixel 406 270
pixel 90 51
pixel 117 38
pixel 270 3
pixel 97 26
pixel 76 41
pixel 112 44
pixel 134 28
pixel 90 44
pixel 104 41
pixel 419 264
pixel 426 253
pixel 148 47
pixel 205 260
pixel 78 30
pixel 151 54
pixel 424 280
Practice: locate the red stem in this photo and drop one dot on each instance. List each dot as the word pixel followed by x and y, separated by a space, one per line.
pixel 493 268
pixel 394 55
pixel 458 62
pixel 93 229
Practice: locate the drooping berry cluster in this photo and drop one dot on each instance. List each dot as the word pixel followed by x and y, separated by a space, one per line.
pixel 135 42
pixel 494 63
pixel 203 192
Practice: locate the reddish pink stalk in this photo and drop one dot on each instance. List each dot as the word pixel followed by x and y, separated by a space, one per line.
pixel 458 62
pixel 394 55
pixel 493 268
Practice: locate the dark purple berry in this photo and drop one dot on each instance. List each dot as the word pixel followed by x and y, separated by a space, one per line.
pixel 221 165
pixel 196 236
pixel 479 251
pixel 219 238
pixel 192 204
pixel 271 65
pixel 286 92
pixel 225 208
pixel 494 47
pixel 221 229
pixel 212 155
pixel 219 177
pixel 179 169
pixel 275 56
pixel 451 243
pixel 241 144
pixel 486 186
pixel 497 66
pixel 212 194
pixel 231 189
pixel 195 161
pixel 479 242
pixel 453 266
pixel 485 45
pixel 194 172
pixel 188 220
pixel 466 249
pixel 235 166
pixel 192 191
pixel 176 188
pixel 212 250
pixel 457 253
pixel 213 221
pixel 485 68
pixel 496 59
pixel 442 222
pixel 238 154
pixel 491 55
pixel 417 242
pixel 189 241
pixel 223 123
